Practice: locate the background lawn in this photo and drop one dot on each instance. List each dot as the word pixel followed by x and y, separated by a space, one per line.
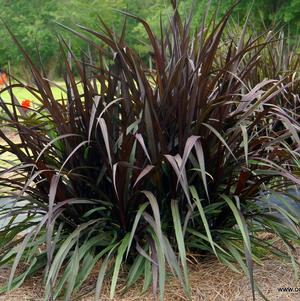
pixel 23 93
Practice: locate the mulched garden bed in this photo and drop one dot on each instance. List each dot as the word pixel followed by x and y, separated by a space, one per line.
pixel 210 281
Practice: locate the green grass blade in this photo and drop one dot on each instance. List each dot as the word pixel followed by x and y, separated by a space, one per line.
pixel 180 244
pixel 203 218
pixel 246 238
pixel 121 250
pixel 135 223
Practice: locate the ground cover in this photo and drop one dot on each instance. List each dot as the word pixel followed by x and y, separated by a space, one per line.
pixel 210 281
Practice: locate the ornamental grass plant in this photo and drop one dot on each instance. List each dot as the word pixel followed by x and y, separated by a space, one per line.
pixel 137 167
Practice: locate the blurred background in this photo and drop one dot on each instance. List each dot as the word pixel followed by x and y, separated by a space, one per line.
pixel 34 22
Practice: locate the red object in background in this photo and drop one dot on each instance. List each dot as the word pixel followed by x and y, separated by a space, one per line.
pixel 25 104
pixel 3 78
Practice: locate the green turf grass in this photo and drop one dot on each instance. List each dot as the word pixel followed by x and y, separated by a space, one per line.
pixel 23 93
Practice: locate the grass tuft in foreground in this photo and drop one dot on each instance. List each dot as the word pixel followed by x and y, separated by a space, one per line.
pixel 143 166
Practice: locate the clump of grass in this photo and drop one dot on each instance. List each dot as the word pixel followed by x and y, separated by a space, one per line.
pixel 144 166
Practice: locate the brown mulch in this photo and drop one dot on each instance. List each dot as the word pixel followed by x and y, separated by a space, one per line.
pixel 210 281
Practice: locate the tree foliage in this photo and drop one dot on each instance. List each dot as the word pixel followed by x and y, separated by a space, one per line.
pixel 34 22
